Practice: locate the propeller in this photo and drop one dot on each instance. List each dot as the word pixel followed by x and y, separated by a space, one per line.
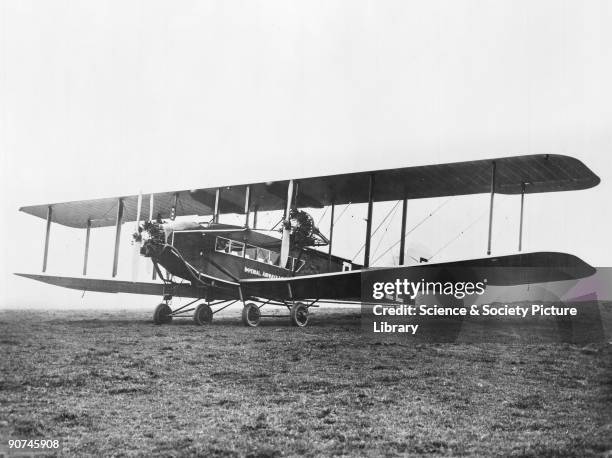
pixel 286 240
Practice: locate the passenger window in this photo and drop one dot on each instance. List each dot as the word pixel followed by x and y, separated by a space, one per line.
pixel 237 248
pixel 222 245
pixel 251 252
pixel 263 255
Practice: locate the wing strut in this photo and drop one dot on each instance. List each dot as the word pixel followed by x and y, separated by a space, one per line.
pixel 136 246
pixel 520 247
pixel 491 206
pixel 86 254
pixel 216 210
pixel 151 218
pixel 247 205
pixel 151 206
pixel 403 234
pixel 255 210
pixel 366 255
pixel 47 233
pixel 117 235
pixel 331 237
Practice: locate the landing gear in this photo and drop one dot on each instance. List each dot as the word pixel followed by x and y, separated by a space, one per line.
pixel 162 314
pixel 203 314
pixel 299 314
pixel 251 315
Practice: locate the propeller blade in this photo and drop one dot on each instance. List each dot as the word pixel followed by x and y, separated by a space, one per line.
pixel 139 205
pixel 151 207
pixel 284 254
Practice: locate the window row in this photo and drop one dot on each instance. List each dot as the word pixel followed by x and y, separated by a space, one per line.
pixel 255 253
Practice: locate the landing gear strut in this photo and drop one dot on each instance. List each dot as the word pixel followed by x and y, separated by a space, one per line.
pixel 251 312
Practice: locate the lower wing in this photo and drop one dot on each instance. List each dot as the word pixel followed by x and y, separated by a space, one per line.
pixel 116 286
pixel 519 269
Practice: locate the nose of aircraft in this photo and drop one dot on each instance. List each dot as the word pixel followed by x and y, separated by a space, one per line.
pixel 152 238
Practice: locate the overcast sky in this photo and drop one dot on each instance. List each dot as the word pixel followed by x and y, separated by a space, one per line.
pixel 108 98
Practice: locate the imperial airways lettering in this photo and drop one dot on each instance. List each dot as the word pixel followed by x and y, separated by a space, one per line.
pixel 259 273
pixel 401 288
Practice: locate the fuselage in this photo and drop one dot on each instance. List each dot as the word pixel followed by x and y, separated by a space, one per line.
pixel 232 252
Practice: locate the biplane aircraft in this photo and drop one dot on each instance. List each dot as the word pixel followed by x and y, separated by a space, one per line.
pixel 218 264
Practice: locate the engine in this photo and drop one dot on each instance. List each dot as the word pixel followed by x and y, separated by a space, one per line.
pixel 304 233
pixel 152 238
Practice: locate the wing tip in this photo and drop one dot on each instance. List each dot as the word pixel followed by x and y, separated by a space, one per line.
pixel 590 180
pixel 19 274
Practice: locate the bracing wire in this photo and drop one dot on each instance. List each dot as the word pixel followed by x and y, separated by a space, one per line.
pixel 375 230
pixel 322 216
pixel 109 210
pixel 275 226
pixel 342 213
pixel 385 232
pixel 467 228
pixel 414 228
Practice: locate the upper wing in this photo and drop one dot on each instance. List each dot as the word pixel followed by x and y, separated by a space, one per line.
pixel 510 270
pixel 541 173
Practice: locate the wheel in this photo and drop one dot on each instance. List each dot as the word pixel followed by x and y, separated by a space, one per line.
pixel 299 315
pixel 251 315
pixel 203 314
pixel 162 314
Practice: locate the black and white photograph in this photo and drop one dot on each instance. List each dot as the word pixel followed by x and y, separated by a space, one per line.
pixel 306 228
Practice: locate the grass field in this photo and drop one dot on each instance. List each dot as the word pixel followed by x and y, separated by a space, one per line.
pixel 112 383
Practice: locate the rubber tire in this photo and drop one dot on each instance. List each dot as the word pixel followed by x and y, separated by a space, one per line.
pixel 299 315
pixel 162 314
pixel 203 314
pixel 251 315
